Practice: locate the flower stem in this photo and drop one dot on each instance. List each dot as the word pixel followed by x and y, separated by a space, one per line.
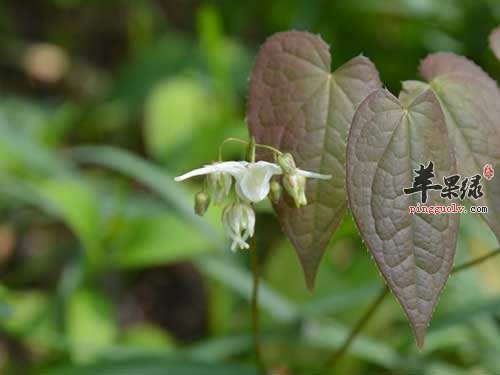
pixel 478 260
pixel 375 304
pixel 255 305
pixel 242 141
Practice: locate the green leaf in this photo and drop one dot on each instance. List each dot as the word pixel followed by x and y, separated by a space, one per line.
pixel 70 199
pixel 470 311
pixel 495 42
pixel 77 204
pixel 153 366
pixel 470 101
pixel 165 57
pixel 30 317
pixel 22 155
pixel 219 348
pixel 333 335
pixel 219 267
pixel 388 140
pixel 147 337
pixel 90 323
pixel 143 241
pixel 151 176
pixel 170 118
pixel 297 105
pixel 240 280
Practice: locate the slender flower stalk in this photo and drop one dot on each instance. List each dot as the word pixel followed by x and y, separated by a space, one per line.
pixel 255 306
pixel 253 182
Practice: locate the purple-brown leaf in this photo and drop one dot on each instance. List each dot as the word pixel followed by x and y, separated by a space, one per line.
pixel 470 101
pixel 297 105
pixel 389 139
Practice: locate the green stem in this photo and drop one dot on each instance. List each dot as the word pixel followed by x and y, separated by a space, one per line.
pixel 255 306
pixel 246 143
pixel 375 304
pixel 357 327
pixel 478 260
pixel 254 255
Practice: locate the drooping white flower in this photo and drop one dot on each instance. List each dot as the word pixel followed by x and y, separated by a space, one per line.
pixel 238 219
pixel 252 179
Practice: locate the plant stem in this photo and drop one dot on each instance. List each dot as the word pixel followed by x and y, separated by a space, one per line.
pixel 358 327
pixel 242 141
pixel 255 306
pixel 375 304
pixel 476 261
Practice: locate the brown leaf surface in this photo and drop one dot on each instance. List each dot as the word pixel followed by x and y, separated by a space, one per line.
pixel 297 105
pixel 390 139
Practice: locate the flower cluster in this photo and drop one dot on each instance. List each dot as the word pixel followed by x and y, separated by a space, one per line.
pixel 253 182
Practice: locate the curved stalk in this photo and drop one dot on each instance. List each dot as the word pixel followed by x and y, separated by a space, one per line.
pixel 246 143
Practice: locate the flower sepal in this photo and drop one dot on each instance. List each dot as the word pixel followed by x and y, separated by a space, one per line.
pixel 275 191
pixel 295 186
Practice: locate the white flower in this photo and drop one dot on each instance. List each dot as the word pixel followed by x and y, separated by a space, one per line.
pixel 252 179
pixel 239 223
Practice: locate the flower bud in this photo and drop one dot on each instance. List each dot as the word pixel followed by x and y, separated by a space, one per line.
pixel 201 203
pixel 275 191
pixel 295 185
pixel 219 185
pixel 287 163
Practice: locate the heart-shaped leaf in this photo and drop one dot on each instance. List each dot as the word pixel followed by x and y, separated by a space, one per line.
pixel 470 101
pixel 297 105
pixel 389 139
pixel 495 42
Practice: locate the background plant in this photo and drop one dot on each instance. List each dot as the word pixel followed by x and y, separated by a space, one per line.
pixel 105 268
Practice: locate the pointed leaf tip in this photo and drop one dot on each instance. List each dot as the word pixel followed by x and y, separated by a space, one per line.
pixel 297 105
pixel 414 252
pixel 419 333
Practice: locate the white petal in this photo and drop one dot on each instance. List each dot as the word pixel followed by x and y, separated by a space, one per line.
pixel 253 185
pixel 273 168
pixel 243 245
pixel 250 221
pixel 314 175
pixel 233 246
pixel 232 167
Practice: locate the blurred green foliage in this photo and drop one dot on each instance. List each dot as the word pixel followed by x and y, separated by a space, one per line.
pixel 106 270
